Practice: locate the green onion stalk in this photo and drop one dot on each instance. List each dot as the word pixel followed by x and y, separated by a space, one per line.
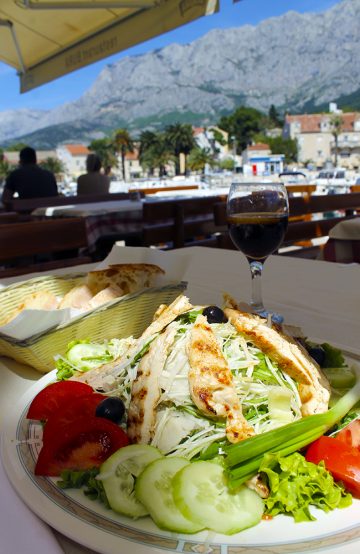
pixel 242 460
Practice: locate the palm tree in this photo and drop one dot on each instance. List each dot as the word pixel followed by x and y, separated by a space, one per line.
pixel 156 154
pixel 104 148
pixel 123 143
pixel 199 158
pixel 148 140
pixel 180 139
pixel 54 165
pixel 336 123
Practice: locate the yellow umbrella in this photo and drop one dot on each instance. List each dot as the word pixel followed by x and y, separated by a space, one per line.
pixel 44 39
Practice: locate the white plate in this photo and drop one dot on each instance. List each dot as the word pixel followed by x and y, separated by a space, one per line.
pixel 92 525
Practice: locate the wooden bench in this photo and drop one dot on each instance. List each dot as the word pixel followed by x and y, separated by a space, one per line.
pixel 41 245
pixel 180 222
pixel 310 218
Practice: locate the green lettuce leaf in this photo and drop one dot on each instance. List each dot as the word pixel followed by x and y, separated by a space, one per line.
pixel 296 484
pixel 333 356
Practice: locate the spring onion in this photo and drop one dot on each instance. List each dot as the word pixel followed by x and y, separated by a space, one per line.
pixel 243 460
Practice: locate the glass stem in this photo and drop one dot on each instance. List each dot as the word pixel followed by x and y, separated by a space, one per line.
pixel 256 268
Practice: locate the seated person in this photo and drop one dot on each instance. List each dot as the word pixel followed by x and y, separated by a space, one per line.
pixel 29 180
pixel 93 182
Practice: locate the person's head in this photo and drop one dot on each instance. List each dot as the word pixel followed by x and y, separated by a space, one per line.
pixel 27 156
pixel 93 163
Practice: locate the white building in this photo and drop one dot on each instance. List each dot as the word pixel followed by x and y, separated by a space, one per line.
pixel 73 157
pixel 314 134
pixel 258 160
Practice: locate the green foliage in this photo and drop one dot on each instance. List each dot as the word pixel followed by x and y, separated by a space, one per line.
pixel 228 164
pixel 53 164
pixel 242 125
pixel 16 147
pixel 154 152
pixel 199 158
pixel 180 140
pixel 274 117
pixel 104 148
pixel 122 143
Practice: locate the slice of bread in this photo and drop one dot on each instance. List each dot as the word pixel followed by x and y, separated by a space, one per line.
pixel 78 297
pixel 128 277
pixel 106 295
pixel 41 300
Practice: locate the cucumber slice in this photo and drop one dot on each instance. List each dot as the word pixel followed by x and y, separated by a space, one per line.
pixel 201 494
pixel 154 489
pixel 118 474
pixel 87 356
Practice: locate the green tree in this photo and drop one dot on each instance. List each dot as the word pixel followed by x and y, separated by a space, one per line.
pixel 53 164
pixel 155 152
pixel 199 158
pixel 16 147
pixel 288 147
pixel 274 117
pixel 336 124
pixel 242 125
pixel 104 148
pixel 180 140
pixel 123 143
pixel 228 164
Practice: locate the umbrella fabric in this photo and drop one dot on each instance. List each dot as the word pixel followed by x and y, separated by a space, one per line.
pixel 45 39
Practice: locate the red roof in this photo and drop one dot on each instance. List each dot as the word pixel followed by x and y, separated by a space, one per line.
pixel 311 123
pixel 198 131
pixel 77 149
pixel 259 146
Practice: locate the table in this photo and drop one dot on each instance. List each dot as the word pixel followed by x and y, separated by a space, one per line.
pixel 118 217
pixel 321 297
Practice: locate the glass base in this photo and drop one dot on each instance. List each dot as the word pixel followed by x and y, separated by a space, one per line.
pixel 275 317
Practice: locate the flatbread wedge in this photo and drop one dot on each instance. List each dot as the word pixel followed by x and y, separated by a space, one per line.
pixel 127 277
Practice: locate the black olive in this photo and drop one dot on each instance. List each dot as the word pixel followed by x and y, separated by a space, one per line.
pixel 214 314
pixel 317 353
pixel 111 408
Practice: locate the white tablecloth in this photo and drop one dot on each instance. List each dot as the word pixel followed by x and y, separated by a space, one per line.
pixel 323 298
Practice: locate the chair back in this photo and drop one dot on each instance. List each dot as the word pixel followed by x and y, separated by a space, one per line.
pixel 41 245
pixel 179 222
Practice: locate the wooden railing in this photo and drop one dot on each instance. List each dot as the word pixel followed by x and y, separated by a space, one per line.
pixel 310 218
pixel 41 245
pixel 27 205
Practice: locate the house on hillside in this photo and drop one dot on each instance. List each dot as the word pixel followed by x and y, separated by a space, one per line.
pixel 316 141
pixel 73 157
pixel 258 160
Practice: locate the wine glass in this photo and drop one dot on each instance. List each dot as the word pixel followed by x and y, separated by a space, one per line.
pixel 257 216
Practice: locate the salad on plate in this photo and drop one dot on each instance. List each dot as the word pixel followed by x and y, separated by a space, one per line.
pixel 213 419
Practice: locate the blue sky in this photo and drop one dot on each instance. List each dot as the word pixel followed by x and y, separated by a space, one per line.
pixel 71 87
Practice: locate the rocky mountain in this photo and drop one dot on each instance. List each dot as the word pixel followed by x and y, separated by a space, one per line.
pixel 294 61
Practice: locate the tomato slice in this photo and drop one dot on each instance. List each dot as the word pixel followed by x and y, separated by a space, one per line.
pixel 69 411
pixel 49 399
pixel 82 444
pixel 350 434
pixel 340 459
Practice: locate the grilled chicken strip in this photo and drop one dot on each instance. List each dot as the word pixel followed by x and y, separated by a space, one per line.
pixel 103 377
pixel 146 390
pixel 211 385
pixel 293 359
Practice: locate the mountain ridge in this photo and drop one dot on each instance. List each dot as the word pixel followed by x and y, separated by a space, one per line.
pixel 280 61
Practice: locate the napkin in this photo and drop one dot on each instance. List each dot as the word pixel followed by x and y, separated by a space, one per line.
pixel 20 529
